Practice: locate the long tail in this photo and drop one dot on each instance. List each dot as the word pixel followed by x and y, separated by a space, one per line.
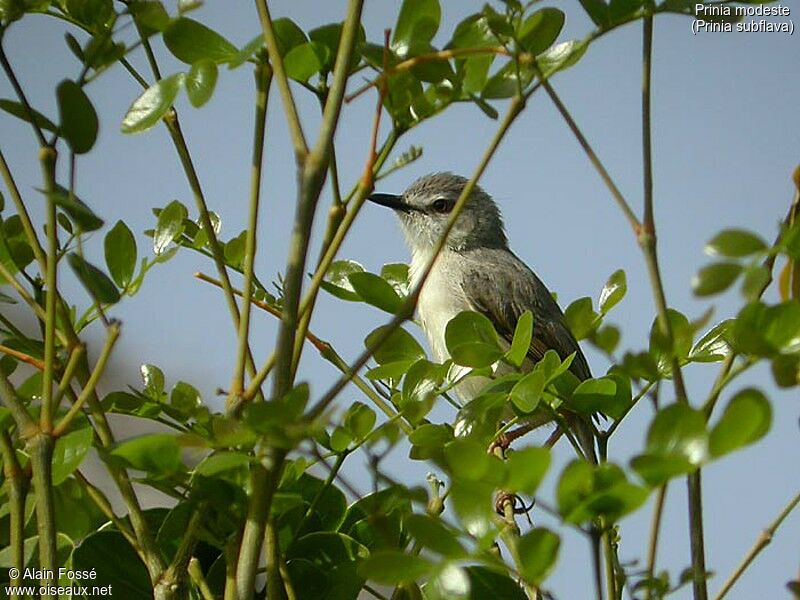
pixel 584 433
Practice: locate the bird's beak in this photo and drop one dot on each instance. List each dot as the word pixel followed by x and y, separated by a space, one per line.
pixel 390 201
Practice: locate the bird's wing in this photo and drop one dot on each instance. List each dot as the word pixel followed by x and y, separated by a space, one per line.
pixel 500 286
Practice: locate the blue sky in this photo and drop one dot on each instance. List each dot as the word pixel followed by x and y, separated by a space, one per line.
pixel 726 134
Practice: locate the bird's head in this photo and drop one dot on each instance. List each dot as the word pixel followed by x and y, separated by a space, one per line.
pixel 424 210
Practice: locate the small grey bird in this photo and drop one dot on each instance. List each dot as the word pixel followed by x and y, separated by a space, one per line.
pixel 477 271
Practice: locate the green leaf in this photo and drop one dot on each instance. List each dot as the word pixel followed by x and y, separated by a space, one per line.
pixel 417 23
pixel 606 338
pixel 337 280
pixel 506 82
pixel 200 82
pixel 431 435
pixel 120 252
pixel 677 442
pixel 376 291
pixel 247 51
pixel 526 469
pixel 735 243
pixel 152 105
pixel 78 118
pixel 561 56
pixel 153 380
pixel 359 420
pixel 473 32
pixel 169 226
pixel 92 13
pixel 185 398
pixel 538 553
pixel 485 583
pixel 756 279
pixel 682 335
pixel 468 459
pixel 306 60
pixel 115 563
pixel 288 34
pixel 714 345
pixel 150 15
pixel 451 582
pixel 76 208
pixel 156 453
pixel 581 318
pixel 786 370
pixel 393 567
pixel 76 514
pixel 235 249
pixel 18 110
pixel 597 11
pixel 521 343
pixel 715 278
pixel 678 429
pixel 587 492
pixel 94 280
pixel 609 395
pixel 472 340
pixel 396 274
pixel 221 462
pixel 613 291
pixel 190 41
pixel 746 419
pixel 329 36
pixel 432 533
pixel 538 32
pixel 763 330
pixel 527 392
pixel 69 452
pixel 331 506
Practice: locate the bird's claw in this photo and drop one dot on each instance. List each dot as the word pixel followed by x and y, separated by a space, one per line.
pixel 517 503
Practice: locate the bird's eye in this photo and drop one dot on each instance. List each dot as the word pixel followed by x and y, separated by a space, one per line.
pixel 442 205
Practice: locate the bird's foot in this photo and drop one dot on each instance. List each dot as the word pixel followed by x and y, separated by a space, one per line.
pixel 504 440
pixel 517 503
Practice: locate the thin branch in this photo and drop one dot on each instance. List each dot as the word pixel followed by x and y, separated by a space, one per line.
pixel 312 170
pixel 762 542
pixel 336 217
pixel 26 426
pixel 18 485
pixel 594 542
pixel 105 507
pixel 89 388
pixel 590 153
pixel 276 589
pixel 48 157
pixel 21 356
pixel 655 529
pixel 20 93
pixel 73 363
pixel 23 293
pixel 199 580
pixel 312 177
pixel 647 62
pixel 263 77
pixel 276 61
pixel 40 448
pixel 22 212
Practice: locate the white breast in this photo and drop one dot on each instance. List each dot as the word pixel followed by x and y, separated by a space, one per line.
pixel 441 299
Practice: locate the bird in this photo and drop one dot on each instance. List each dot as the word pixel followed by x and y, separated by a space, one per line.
pixel 476 270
